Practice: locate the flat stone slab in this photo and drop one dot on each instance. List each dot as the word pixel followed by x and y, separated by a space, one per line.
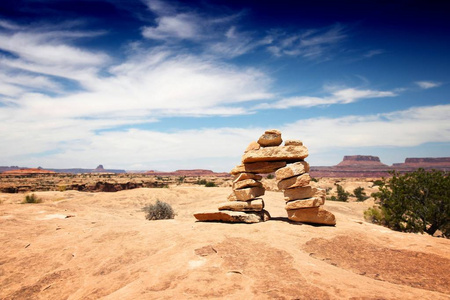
pixel 258 167
pixel 305 203
pixel 246 184
pixel 282 153
pixel 251 205
pixel 315 215
pixel 249 193
pixel 297 181
pixel 244 176
pixel 232 216
pixel 298 193
pixel 292 170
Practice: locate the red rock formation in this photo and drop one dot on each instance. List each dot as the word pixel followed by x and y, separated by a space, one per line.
pixel 27 171
pixel 194 172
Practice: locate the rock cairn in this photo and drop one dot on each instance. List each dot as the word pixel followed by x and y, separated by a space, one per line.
pixel 303 202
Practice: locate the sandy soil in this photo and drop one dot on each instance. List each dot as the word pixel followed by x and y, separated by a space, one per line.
pixel 78 245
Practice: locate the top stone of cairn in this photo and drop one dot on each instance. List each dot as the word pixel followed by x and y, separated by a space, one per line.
pixel 270 138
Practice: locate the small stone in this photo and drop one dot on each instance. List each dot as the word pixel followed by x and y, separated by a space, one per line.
pixel 232 197
pixel 258 167
pixel 302 180
pixel 315 215
pixel 246 183
pixel 270 138
pixel 302 192
pixel 282 153
pixel 251 205
pixel 244 176
pixel 249 193
pixel 304 203
pixel 292 170
pixel 293 143
pixel 252 146
pixel 232 216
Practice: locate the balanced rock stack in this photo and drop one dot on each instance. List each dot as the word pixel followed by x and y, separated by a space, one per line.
pixel 267 156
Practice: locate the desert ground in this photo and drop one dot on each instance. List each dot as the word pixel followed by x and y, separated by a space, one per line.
pixel 83 245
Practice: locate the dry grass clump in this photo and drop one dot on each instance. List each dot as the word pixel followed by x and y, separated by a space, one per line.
pixel 159 211
pixel 32 199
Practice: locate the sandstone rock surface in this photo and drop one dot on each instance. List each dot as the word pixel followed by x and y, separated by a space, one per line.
pixel 231 216
pixel 299 193
pixel 249 193
pixel 297 181
pixel 244 176
pixel 292 170
pixel 258 167
pixel 316 215
pixel 304 203
pixel 293 143
pixel 252 146
pixel 282 153
pixel 270 138
pixel 251 205
pixel 246 183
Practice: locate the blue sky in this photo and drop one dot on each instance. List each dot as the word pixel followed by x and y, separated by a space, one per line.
pixel 168 85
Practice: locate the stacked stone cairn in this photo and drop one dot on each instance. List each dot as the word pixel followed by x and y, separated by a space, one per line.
pixel 303 202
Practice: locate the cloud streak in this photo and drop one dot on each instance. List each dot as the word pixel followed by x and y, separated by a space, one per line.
pixel 428 84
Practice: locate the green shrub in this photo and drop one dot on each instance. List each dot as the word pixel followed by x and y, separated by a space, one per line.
pixel 201 181
pixel 159 211
pixel 270 176
pixel 32 199
pixel 360 194
pixel 210 184
pixel 378 182
pixel 342 195
pixel 374 215
pixel 417 202
pixel 314 179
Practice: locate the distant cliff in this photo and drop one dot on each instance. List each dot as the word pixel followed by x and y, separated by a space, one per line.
pixel 371 166
pixel 194 172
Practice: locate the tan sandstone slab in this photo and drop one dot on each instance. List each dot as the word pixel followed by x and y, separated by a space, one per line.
pixel 244 176
pixel 297 181
pixel 246 183
pixel 297 193
pixel 270 138
pixel 249 193
pixel 292 170
pixel 293 143
pixel 304 203
pixel 315 215
pixel 281 153
pixel 258 167
pixel 252 205
pixel 232 216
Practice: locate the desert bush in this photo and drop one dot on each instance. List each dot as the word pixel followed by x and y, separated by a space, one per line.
pixel 201 181
pixel 378 182
pixel 342 195
pixel 181 179
pixel 314 179
pixel 62 188
pixel 210 184
pixel 32 199
pixel 375 215
pixel 416 202
pixel 360 194
pixel 159 211
pixel 270 176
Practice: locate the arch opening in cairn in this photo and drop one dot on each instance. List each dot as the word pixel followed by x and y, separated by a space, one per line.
pixel 267 155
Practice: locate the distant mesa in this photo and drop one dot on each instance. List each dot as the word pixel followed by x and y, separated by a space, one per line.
pixel 371 166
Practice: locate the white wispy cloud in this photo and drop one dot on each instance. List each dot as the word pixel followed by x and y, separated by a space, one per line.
pixel 193 148
pixel 311 44
pixel 373 52
pixel 336 96
pixel 428 84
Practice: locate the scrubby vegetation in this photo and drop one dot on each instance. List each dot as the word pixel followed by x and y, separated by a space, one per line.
pixel 342 195
pixel 32 199
pixel 360 194
pixel 270 176
pixel 414 202
pixel 159 211
pixel 206 183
